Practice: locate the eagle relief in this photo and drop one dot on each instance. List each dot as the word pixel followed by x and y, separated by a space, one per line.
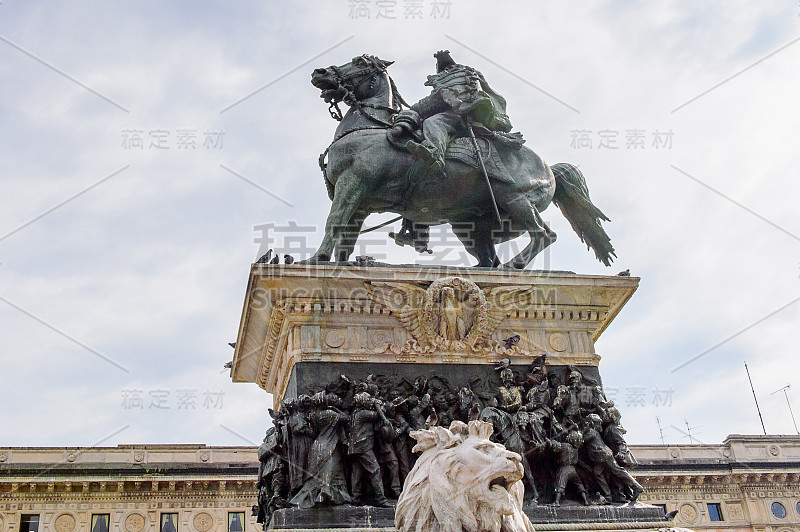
pixel 451 314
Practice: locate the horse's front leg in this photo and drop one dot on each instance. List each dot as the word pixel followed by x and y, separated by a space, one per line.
pixel 348 237
pixel 346 200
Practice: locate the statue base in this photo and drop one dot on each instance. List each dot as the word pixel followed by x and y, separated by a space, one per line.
pixel 302 321
pixel 565 518
pixel 431 342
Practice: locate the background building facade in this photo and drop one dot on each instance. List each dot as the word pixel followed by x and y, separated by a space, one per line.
pixel 134 488
pixel 747 483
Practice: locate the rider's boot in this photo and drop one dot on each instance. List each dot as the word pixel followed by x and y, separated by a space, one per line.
pixel 433 156
pixel 404 237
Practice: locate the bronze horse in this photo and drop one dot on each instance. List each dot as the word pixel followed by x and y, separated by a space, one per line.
pixel 365 173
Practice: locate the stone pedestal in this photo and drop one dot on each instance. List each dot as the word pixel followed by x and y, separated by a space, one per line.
pixel 304 325
pixel 638 516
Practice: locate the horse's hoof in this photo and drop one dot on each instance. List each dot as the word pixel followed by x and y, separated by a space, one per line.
pixel 512 266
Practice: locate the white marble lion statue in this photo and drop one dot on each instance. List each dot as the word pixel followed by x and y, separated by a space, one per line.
pixel 462 482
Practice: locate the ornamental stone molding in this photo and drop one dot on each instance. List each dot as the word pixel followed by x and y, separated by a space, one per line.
pixel 418 315
pixel 735 511
pixel 774 450
pixel 451 314
pixel 64 523
pixel 203 522
pixel 134 522
pixel 688 513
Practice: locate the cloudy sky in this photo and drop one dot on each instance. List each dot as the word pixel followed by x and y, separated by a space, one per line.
pixel 144 143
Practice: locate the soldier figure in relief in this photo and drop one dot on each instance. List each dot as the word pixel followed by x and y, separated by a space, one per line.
pixel 300 441
pixel 420 408
pixel 402 448
pixel 568 401
pixel 325 481
pixel 538 406
pixel 271 481
pixel 604 466
pixel 510 393
pixel 361 442
pixel 613 436
pixel 567 457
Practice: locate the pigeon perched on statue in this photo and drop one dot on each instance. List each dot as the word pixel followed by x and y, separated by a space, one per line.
pixel 511 341
pixel 264 259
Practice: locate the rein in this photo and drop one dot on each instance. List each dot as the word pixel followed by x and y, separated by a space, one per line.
pixel 343 134
pixel 346 93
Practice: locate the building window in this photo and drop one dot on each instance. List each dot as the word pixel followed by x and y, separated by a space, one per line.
pixel 778 510
pixel 797 507
pixel 235 521
pixel 715 511
pixel 100 522
pixel 29 523
pixel 169 522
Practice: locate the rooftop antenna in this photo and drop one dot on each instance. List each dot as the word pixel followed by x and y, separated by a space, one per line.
pixel 755 398
pixel 689 431
pixel 786 393
pixel 660 430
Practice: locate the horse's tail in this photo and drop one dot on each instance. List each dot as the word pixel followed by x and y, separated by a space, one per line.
pixel 572 197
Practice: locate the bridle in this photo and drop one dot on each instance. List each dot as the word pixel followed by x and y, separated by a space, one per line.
pixel 346 86
pixel 345 92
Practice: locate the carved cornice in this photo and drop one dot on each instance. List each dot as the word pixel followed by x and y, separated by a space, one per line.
pixel 418 315
pixel 753 481
pixel 421 313
pixel 41 489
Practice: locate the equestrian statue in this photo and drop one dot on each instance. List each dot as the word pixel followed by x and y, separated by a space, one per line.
pixel 450 158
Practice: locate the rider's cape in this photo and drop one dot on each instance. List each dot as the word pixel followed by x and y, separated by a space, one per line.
pixel 468 94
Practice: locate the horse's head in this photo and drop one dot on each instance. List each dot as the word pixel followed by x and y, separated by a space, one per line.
pixel 351 81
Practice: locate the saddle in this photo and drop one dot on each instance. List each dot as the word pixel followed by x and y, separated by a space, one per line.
pixel 407 131
pixel 463 149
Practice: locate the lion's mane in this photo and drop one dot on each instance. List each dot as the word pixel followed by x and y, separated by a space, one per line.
pixel 432 501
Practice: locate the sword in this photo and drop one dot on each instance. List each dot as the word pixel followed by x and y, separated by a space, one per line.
pixel 485 173
pixel 384 224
